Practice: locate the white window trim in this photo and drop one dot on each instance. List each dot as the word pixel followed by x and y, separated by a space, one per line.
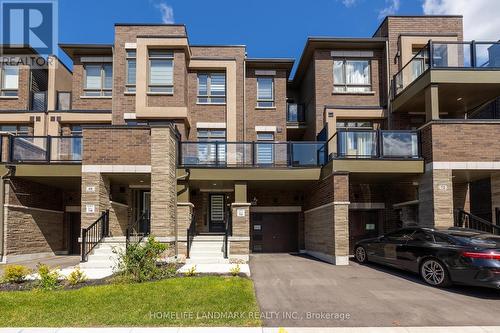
pixel 346 85
pixel 266 100
pixel 265 129
pixel 209 95
pixel 203 125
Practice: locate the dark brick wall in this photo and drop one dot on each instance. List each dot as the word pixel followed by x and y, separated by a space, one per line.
pixel 119 145
pixel 23 94
pixel 332 188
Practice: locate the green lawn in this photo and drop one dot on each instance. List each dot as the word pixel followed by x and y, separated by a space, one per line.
pixel 195 301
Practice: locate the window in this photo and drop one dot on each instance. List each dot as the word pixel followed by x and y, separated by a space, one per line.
pixel 351 76
pixel 63 100
pixel 355 124
pixel 9 80
pixel 98 80
pixel 212 88
pixel 161 73
pixel 265 92
pixel 15 129
pixel 131 71
pixel 210 150
pixel 265 151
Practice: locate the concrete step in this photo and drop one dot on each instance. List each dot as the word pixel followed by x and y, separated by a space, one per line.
pixel 206 255
pixel 207 247
pixel 208 252
pixel 196 261
pixel 208 238
pixel 100 257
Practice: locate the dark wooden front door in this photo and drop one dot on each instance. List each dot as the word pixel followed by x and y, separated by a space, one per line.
pixel 274 232
pixel 217 206
pixel 362 224
pixel 74 232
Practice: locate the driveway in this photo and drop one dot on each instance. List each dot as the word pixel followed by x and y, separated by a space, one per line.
pixel 296 290
pixel 63 261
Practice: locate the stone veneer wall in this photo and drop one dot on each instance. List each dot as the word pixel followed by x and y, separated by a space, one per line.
pixel 163 182
pixel 326 219
pixel 239 243
pixel 436 199
pixel 184 216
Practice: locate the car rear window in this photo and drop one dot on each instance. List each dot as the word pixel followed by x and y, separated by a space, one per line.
pixel 482 240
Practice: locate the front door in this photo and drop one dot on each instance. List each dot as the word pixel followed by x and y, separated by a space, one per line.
pixel 362 224
pixel 74 230
pixel 146 210
pixel 216 213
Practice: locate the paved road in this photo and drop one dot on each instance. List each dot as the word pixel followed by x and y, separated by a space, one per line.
pixel 288 287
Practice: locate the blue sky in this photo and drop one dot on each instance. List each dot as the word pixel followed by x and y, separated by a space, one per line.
pixel 269 28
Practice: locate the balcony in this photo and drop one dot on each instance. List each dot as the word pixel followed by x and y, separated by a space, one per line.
pixel 42 149
pixel 466 74
pixel 371 144
pixel 252 154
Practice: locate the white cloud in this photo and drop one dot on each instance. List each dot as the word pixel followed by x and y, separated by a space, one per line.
pixel 349 3
pixel 167 12
pixel 391 8
pixel 480 16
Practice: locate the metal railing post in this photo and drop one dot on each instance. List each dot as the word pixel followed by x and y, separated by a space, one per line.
pixel 431 54
pixel 84 245
pixel 48 148
pixel 473 63
pixel 217 153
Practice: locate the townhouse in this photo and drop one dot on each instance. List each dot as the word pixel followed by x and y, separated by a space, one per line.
pixel 221 155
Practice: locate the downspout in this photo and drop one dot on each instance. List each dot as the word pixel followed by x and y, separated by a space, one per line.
pixel 389 90
pixel 2 211
pixel 244 97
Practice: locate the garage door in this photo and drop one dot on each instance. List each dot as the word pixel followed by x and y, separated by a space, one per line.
pixel 274 232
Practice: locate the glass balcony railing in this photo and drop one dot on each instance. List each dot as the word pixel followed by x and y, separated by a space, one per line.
pixel 252 154
pixel 448 55
pixel 45 149
pixel 295 113
pixel 371 144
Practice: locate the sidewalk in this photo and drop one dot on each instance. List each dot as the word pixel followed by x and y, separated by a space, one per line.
pixel 454 329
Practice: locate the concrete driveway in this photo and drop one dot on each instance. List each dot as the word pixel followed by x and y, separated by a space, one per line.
pixel 295 290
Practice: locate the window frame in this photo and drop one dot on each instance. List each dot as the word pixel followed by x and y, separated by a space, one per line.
pixel 102 91
pixel 209 94
pixel 263 100
pixel 346 85
pixel 3 90
pixel 260 143
pixel 169 55
pixel 58 106
pixel 130 87
pixel 18 129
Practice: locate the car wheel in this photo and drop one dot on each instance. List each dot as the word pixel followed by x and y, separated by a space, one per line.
pixel 360 255
pixel 434 273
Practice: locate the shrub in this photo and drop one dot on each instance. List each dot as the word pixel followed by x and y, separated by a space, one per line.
pixel 168 271
pixel 191 271
pixel 49 279
pixel 235 270
pixel 138 261
pixel 76 276
pixel 15 274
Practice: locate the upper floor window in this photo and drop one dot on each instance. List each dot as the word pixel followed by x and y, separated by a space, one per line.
pixel 351 76
pixel 9 80
pixel 161 71
pixel 265 150
pixel 212 88
pixel 131 70
pixel 63 100
pixel 98 79
pixel 15 129
pixel 265 92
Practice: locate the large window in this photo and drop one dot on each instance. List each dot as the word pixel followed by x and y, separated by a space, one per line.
pixel 15 129
pixel 212 88
pixel 161 71
pixel 265 148
pixel 351 76
pixel 9 80
pixel 265 92
pixel 210 150
pixel 98 79
pixel 131 71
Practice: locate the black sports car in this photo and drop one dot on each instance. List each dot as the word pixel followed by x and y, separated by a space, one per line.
pixel 441 257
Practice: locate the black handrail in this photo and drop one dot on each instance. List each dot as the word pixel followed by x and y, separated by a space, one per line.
pixel 190 233
pixel 134 233
pixel 227 232
pixel 94 234
pixel 464 219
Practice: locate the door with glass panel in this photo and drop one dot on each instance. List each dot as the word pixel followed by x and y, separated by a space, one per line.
pixel 212 147
pixel 264 148
pixel 217 213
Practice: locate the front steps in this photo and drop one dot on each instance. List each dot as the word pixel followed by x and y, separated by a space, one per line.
pixel 103 256
pixel 207 249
